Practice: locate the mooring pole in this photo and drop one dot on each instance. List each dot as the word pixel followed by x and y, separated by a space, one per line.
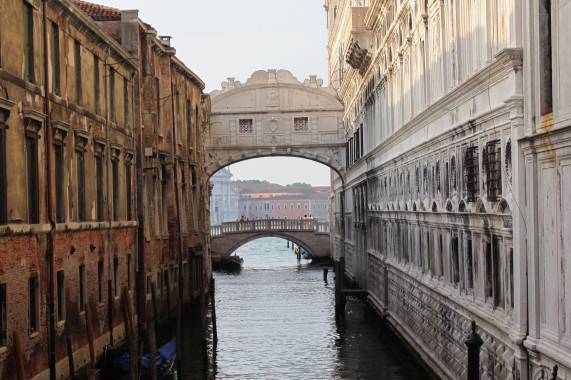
pixel 70 359
pixel 474 342
pixel 325 271
pixel 213 308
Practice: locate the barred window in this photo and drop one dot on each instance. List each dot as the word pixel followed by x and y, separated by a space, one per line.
pixel 301 124
pixel 471 173
pixel 245 126
pixel 493 162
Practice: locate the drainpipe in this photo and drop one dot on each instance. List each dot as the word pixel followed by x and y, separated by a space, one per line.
pixel 50 201
pixel 177 201
pixel 109 218
pixel 135 163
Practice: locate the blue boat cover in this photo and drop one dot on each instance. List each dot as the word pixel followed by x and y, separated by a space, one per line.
pixel 164 354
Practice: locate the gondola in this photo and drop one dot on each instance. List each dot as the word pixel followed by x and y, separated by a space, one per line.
pixel 166 356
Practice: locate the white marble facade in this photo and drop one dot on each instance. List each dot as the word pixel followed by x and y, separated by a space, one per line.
pixel 224 200
pixel 456 193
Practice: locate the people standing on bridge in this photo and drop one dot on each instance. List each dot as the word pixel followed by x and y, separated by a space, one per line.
pixel 241 222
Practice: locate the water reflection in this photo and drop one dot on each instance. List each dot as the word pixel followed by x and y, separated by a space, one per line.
pixel 275 320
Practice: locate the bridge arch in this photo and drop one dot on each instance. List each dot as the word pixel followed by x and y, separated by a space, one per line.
pixel 312 235
pixel 273 114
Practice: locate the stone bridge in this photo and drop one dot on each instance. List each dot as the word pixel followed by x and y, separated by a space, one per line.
pixel 273 114
pixel 312 235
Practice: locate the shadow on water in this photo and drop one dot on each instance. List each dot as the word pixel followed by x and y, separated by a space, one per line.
pixel 276 319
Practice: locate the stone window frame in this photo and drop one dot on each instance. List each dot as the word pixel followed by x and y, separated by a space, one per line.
pixel 5 108
pixel 301 124
pixel 34 305
pixel 60 296
pixel 60 131
pixel 115 153
pixel 245 126
pixel 100 148
pixel 81 140
pixel 33 122
pixel 492 162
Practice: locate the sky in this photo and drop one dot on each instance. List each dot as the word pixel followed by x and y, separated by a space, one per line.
pixel 218 39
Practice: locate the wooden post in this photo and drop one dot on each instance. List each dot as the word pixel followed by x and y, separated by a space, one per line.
pixel 151 337
pixel 213 308
pixel 89 324
pixel 203 328
pixel 19 355
pixel 130 333
pixel 70 359
pixel 169 320
pixel 179 336
pixel 325 271
pixel 155 311
pixel 287 243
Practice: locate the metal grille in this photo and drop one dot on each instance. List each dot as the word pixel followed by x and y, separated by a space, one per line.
pixel 245 126
pixel 471 176
pixel 301 124
pixel 493 161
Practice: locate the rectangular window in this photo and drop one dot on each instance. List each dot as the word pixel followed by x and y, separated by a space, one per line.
pixel 125 103
pixel 245 126
pixel 28 42
pixel 33 299
pixel 148 284
pixel 545 58
pixel 54 58
pixel 511 258
pixel 129 279
pixel 160 282
pixel 493 162
pixel 166 278
pixel 82 288
pixel 497 277
pixel 80 159
pixel 489 272
pixel 60 295
pixel 116 277
pixel 3 190
pixel 196 128
pixel 188 124
pixel 472 173
pixel 158 102
pixel 59 182
pixel 112 94
pixel 115 170
pixel 100 291
pixel 32 174
pixel 3 317
pixel 300 124
pixel 77 70
pixel 99 185
pixel 164 187
pixel 469 264
pixel 96 105
pixel 128 192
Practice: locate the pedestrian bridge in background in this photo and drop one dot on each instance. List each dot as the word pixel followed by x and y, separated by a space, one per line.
pixel 273 114
pixel 310 234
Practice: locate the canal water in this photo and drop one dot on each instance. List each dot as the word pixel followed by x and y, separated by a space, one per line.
pixel 276 320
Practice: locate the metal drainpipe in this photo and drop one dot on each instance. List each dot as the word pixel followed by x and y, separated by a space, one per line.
pixel 135 163
pixel 50 199
pixel 109 219
pixel 177 201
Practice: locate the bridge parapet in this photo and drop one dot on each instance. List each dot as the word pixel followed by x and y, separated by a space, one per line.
pixel 262 225
pixel 311 234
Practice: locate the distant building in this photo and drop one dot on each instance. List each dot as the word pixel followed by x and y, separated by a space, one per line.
pixel 224 200
pixel 269 200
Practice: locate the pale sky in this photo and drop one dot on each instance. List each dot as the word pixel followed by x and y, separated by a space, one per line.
pixel 218 39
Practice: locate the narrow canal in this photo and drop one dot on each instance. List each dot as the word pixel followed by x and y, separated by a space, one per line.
pixel 276 320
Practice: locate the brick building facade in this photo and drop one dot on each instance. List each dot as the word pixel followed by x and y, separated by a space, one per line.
pixel 87 178
pixel 261 201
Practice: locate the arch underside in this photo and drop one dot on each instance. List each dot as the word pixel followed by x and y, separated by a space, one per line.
pixel 241 239
pixel 328 155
